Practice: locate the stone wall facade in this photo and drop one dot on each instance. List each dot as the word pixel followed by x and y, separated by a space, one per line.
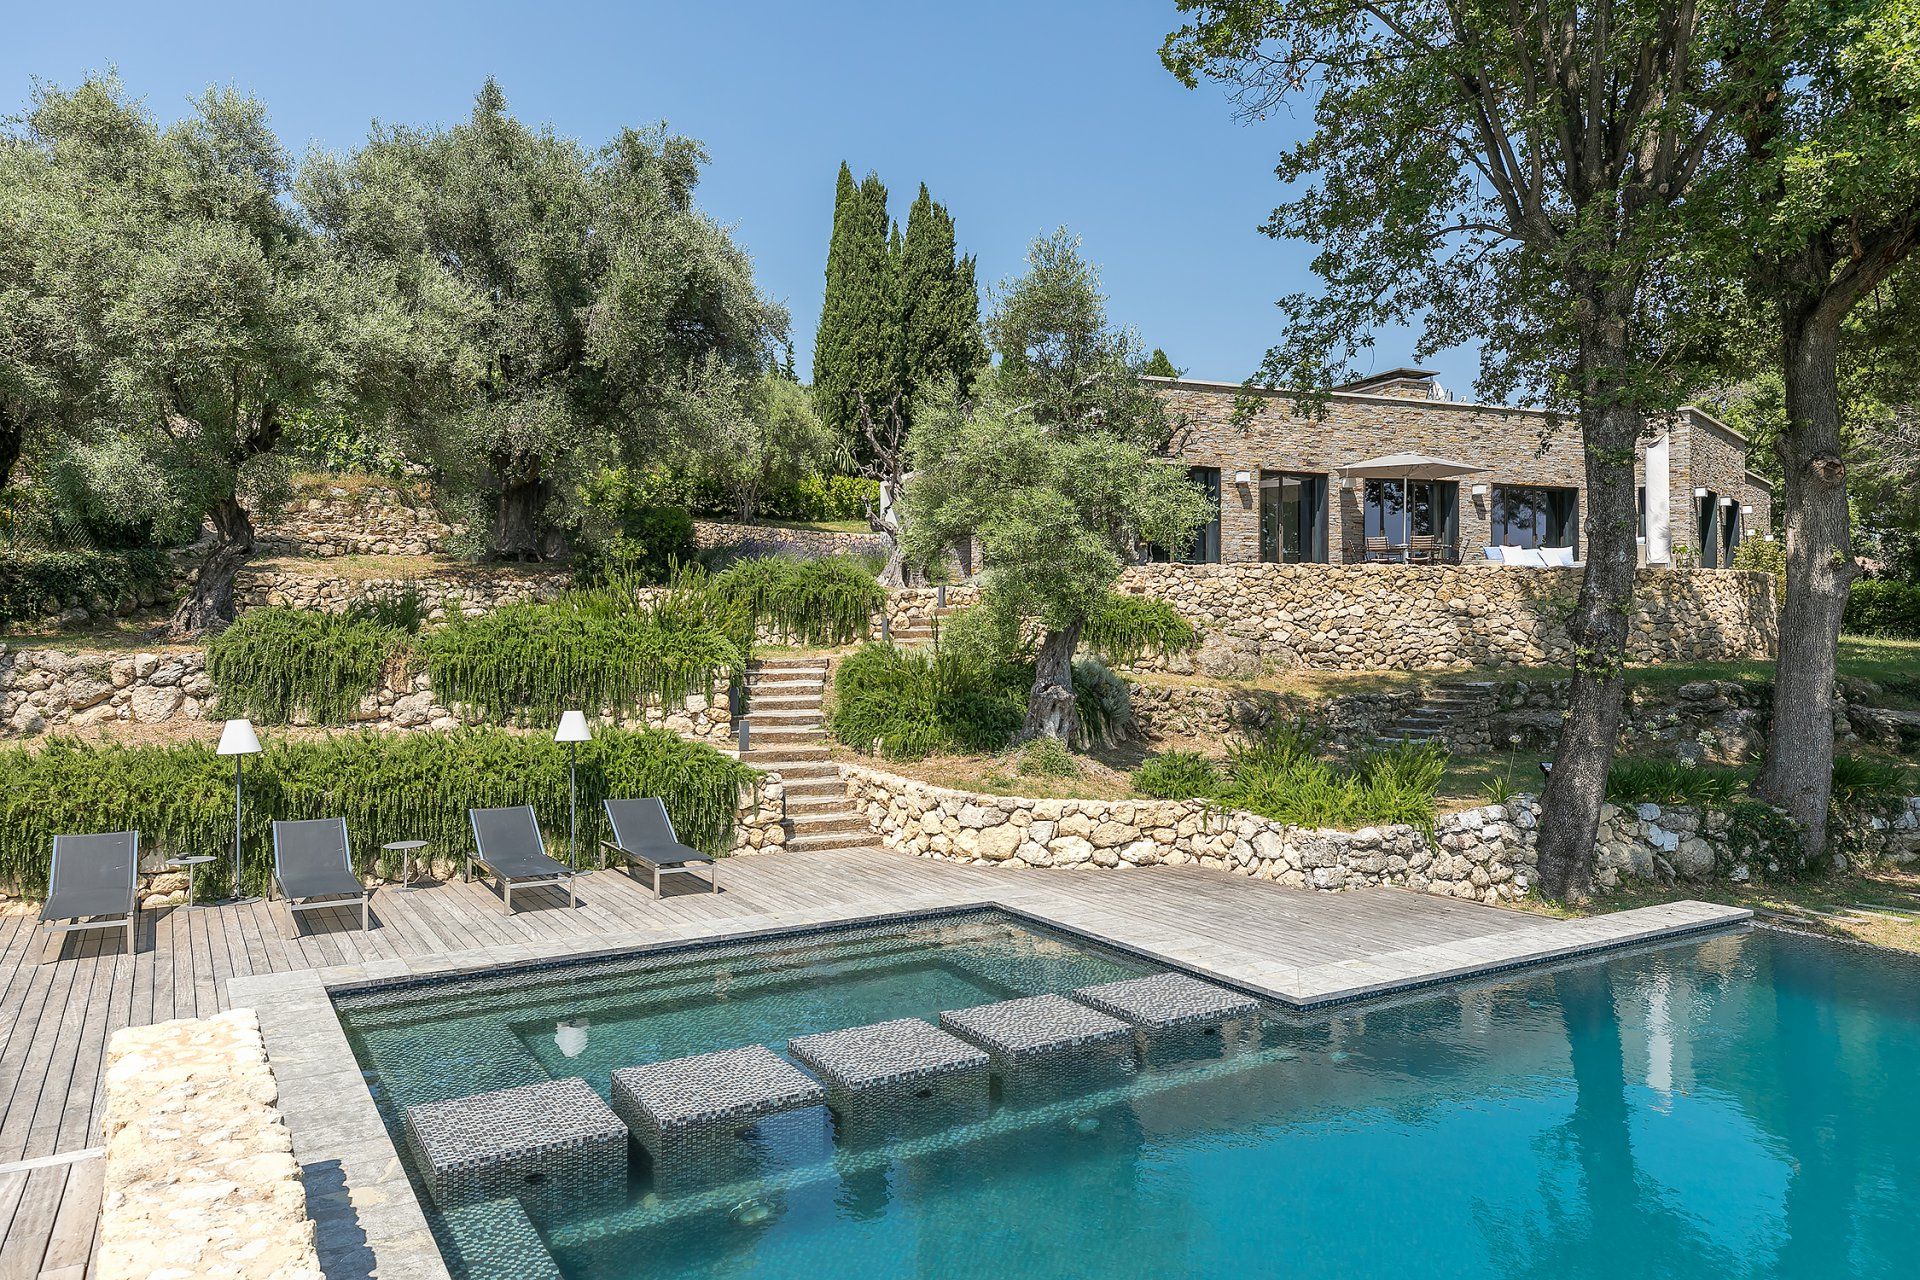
pixel 757 540
pixel 1224 713
pixel 375 520
pixel 200 1177
pixel 1256 617
pixel 469 591
pixel 1486 854
pixel 43 690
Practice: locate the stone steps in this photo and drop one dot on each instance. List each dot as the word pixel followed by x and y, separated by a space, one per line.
pixel 1443 706
pixel 787 734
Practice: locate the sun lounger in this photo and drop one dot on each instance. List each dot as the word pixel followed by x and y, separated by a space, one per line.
pixel 94 876
pixel 507 845
pixel 1495 555
pixel 313 868
pixel 644 836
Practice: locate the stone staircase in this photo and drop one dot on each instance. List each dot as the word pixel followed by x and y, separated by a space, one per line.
pixel 1444 706
pixel 921 629
pixel 786 733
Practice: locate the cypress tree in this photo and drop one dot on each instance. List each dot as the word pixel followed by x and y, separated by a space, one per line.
pixel 940 307
pixel 830 340
pixel 856 352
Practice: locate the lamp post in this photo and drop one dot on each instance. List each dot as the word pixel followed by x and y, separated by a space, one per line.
pixel 238 740
pixel 573 731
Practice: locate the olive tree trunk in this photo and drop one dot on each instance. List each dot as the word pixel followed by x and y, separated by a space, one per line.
pixel 209 604
pixel 1798 774
pixel 1051 710
pixel 518 531
pixel 1597 630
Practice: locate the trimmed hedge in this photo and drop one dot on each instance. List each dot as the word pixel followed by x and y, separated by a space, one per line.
pixel 387 786
pixel 1884 607
pixel 36 584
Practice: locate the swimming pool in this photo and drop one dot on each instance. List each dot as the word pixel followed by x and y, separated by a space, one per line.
pixel 1743 1105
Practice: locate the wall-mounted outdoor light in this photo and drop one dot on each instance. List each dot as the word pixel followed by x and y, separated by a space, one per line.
pixel 1479 491
pixel 1243 478
pixel 1746 511
pixel 1699 493
pixel 1725 501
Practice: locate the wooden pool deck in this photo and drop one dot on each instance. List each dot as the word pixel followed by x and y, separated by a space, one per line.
pixel 56 1017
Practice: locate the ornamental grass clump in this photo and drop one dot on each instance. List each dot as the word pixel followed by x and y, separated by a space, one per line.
pixel 279 665
pixel 1127 628
pixel 910 703
pixel 826 602
pixel 387 787
pixel 1284 777
pixel 1177 775
pixel 1664 780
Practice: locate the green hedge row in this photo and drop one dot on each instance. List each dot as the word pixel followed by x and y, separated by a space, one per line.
pixel 826 602
pixel 387 786
pixel 35 584
pixel 1884 607
pixel 277 665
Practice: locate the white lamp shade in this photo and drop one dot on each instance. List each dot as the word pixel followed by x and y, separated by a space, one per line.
pixel 573 727
pixel 1243 477
pixel 1746 511
pixel 1699 493
pixel 237 739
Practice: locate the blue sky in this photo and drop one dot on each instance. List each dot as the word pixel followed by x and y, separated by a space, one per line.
pixel 1020 117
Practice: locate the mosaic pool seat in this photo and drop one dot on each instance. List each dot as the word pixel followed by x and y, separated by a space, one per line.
pixel 1034 1027
pixel 546 1144
pixel 666 1098
pixel 1164 1001
pixel 886 1055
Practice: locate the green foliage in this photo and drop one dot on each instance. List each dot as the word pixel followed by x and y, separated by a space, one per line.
pixel 624 532
pixel 1046 758
pixel 1159 365
pixel 1884 607
pixel 1125 628
pixel 825 602
pixel 1757 555
pixel 279 665
pixel 1284 777
pixel 1177 775
pixel 35 584
pixel 1664 780
pixel 402 609
pixel 1863 777
pixel 590 650
pixel 751 436
pixel 1104 706
pixel 387 786
pixel 822 497
pixel 912 704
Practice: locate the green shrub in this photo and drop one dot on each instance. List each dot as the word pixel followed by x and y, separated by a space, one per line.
pixel 1105 706
pixel 1126 628
pixel 279 665
pixel 37 584
pixel 387 787
pixel 592 650
pixel 913 704
pixel 1862 777
pixel 1664 780
pixel 402 609
pixel 1884 607
pixel 1046 758
pixel 1284 777
pixel 1177 775
pixel 626 531
pixel 1757 555
pixel 826 602
pixel 819 497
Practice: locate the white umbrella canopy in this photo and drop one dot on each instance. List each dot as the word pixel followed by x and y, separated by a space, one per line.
pixel 1410 466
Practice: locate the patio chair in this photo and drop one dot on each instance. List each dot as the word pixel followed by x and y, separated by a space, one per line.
pixel 507 845
pixel 94 876
pixel 313 869
pixel 644 836
pixel 1382 548
pixel 1422 548
pixel 1495 555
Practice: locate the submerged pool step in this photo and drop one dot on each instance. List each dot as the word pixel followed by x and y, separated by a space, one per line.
pixel 1016 1031
pixel 1164 1001
pixel 886 1055
pixel 663 1099
pixel 551 1144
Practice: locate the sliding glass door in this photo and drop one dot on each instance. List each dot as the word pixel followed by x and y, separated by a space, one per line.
pixel 1205 546
pixel 1293 518
pixel 1401 510
pixel 1534 516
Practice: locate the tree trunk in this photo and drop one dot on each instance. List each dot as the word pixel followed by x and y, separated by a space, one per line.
pixel 209 606
pixel 517 512
pixel 1570 803
pixel 1051 711
pixel 13 434
pixel 1798 775
pixel 885 521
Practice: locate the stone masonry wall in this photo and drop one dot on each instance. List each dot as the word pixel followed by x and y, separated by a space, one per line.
pixel 1485 854
pixel 1392 617
pixel 376 520
pixel 772 540
pixel 469 591
pixel 200 1175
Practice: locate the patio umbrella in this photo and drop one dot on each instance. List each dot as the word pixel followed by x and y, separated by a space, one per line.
pixel 1408 467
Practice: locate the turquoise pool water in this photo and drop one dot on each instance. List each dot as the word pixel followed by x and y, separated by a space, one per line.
pixel 1745 1105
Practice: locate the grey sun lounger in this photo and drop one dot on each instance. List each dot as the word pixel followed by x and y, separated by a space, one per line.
pixel 643 835
pixel 507 845
pixel 313 868
pixel 91 877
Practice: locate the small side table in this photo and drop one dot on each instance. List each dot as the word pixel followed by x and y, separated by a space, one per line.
pixel 406 850
pixel 188 863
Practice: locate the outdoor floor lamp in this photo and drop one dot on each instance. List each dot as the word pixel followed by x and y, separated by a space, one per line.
pixel 573 731
pixel 238 740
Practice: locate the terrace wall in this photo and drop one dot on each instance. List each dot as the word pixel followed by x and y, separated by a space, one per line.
pixel 1485 854
pixel 1255 617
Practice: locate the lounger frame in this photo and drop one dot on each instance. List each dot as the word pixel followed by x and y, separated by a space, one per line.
pixel 685 868
pixel 509 883
pixel 131 924
pixel 321 902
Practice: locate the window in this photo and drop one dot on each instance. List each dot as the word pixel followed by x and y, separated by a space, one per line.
pixel 1707 526
pixel 1293 518
pixel 1205 547
pixel 1533 516
pixel 1640 510
pixel 1434 511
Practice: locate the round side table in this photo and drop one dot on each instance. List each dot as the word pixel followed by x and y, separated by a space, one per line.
pixel 406 850
pixel 188 864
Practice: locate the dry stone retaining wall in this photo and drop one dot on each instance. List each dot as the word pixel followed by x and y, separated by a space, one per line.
pixel 1393 617
pixel 372 521
pixel 1485 854
pixel 200 1175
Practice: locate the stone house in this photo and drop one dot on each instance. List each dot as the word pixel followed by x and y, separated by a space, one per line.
pixel 1288 485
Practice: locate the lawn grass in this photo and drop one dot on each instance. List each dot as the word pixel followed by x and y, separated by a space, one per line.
pixel 1809 904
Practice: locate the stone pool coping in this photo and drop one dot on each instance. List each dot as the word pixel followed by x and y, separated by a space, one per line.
pixel 368 1220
